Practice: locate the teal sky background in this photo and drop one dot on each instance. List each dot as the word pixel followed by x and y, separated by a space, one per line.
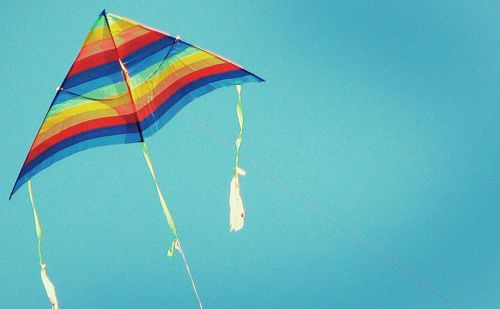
pixel 384 114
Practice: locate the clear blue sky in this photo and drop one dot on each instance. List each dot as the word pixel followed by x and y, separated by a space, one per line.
pixel 384 114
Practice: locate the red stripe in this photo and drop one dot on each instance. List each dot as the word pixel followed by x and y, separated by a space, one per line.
pixel 110 55
pixel 77 129
pixel 138 43
pixel 178 84
pixel 93 61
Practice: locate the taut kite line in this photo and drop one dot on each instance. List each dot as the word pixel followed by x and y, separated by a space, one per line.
pixel 127 82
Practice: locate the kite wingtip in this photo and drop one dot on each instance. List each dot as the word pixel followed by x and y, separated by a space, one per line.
pixel 259 79
pixel 12 193
pixel 103 12
pixel 14 189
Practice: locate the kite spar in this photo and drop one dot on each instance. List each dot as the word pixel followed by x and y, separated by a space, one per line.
pixel 126 83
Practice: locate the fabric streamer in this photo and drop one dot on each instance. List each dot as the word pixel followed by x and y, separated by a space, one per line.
pixel 237 211
pixel 176 244
pixel 164 205
pixel 50 289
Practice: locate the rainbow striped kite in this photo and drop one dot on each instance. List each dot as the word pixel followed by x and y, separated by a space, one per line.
pixel 127 82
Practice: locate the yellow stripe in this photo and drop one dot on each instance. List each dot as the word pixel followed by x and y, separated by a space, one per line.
pixel 120 21
pixel 155 88
pixel 129 34
pixel 100 32
pixel 87 105
pixel 118 25
pixel 72 120
pixel 103 93
pixel 75 120
pixel 52 128
pixel 91 106
pixel 172 64
pixel 144 75
pixel 170 74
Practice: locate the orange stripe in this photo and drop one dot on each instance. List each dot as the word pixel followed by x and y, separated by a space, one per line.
pixel 95 47
pixel 129 34
pixel 119 109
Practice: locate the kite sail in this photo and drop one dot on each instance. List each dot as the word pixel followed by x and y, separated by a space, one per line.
pixel 127 82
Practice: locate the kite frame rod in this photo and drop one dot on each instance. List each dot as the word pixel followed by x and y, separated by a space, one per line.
pixel 125 76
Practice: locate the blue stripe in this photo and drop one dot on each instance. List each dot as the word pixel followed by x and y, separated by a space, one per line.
pixel 91 74
pixel 155 58
pixel 45 158
pixel 188 93
pixel 92 143
pixel 61 97
pixel 147 51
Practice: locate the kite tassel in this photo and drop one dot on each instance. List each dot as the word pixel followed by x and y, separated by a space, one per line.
pixel 236 209
pixel 49 286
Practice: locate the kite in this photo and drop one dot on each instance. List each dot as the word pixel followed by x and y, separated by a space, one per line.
pixel 127 82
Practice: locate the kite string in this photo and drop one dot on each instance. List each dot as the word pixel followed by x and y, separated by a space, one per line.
pixel 176 242
pixel 179 248
pixel 374 249
pixel 47 283
pixel 91 98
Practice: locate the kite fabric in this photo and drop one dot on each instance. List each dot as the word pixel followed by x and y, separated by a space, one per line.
pixel 128 81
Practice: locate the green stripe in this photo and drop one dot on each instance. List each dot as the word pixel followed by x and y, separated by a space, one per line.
pixel 104 93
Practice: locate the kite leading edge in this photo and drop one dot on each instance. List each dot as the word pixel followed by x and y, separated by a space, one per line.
pixel 127 82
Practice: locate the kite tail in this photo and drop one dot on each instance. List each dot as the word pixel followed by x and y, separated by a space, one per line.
pixel 164 205
pixel 176 244
pixel 50 289
pixel 237 212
